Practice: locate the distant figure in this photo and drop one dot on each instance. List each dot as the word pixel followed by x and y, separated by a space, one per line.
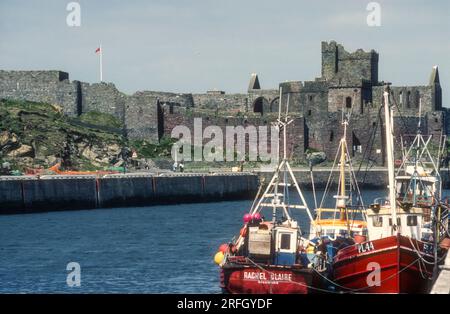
pixel 181 167
pixel 175 166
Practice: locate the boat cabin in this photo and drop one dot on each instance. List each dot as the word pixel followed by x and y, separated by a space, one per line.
pixel 417 192
pixel 350 223
pixel 409 221
pixel 273 244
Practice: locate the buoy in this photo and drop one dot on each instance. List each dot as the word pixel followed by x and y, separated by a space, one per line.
pixel 257 216
pixel 359 238
pixel 223 248
pixel 218 258
pixel 247 218
pixel 445 244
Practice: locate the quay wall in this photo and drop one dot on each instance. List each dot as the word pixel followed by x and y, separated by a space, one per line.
pixel 373 179
pixel 52 193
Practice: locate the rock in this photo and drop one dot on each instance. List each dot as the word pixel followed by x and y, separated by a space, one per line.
pixel 119 163
pixel 89 154
pixel 104 160
pixel 316 158
pixel 22 151
pixel 113 149
pixel 7 138
pixel 51 160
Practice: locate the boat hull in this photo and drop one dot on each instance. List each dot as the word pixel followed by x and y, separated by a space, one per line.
pixel 387 265
pixel 250 279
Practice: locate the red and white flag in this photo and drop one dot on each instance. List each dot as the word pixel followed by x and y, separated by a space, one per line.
pixel 97 50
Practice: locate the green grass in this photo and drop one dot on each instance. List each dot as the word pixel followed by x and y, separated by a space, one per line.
pixel 150 150
pixel 101 119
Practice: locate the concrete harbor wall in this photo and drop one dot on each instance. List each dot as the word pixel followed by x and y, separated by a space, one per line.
pixel 376 178
pixel 51 193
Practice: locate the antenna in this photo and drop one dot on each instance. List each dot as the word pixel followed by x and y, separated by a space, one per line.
pixel 420 114
pixel 279 103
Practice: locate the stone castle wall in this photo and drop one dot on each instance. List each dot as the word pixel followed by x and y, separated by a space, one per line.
pixel 348 82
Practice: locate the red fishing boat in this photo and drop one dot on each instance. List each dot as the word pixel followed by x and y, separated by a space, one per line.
pixel 398 256
pixel 395 264
pixel 239 277
pixel 270 256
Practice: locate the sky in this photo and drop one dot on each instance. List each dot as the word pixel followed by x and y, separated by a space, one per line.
pixel 199 45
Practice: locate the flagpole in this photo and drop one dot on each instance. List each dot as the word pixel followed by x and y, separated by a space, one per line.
pixel 101 63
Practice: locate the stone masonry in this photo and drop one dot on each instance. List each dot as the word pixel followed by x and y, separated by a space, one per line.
pixel 348 84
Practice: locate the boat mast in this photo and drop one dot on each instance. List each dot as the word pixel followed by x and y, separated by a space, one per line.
pixel 341 198
pixel 390 156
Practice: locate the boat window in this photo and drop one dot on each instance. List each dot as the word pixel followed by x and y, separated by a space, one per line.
pixel 398 222
pixel 411 220
pixel 377 221
pixel 285 241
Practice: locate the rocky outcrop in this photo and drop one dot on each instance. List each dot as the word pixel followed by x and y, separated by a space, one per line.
pixel 35 135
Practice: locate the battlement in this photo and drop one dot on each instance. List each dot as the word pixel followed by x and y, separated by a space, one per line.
pixel 351 68
pixel 44 77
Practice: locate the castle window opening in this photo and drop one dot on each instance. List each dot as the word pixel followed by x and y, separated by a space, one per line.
pixel 348 102
pixel 259 104
pixel 331 136
pixel 408 99
pixel 310 97
pixel 436 120
pixel 356 144
pixel 309 112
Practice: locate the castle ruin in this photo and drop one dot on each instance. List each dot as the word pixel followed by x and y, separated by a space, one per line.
pixel 348 83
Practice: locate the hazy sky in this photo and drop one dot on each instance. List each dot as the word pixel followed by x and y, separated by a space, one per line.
pixel 196 45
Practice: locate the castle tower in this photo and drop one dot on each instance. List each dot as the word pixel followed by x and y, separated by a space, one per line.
pixel 254 83
pixel 348 68
pixel 436 90
pixel 329 60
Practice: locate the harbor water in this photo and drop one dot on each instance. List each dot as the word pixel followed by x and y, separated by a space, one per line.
pixel 158 249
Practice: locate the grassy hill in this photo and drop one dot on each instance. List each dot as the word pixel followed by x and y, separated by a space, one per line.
pixel 38 134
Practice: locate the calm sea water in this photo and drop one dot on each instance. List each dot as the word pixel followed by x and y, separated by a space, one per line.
pixel 160 249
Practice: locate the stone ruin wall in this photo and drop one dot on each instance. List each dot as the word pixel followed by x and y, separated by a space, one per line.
pixel 182 117
pixel 349 81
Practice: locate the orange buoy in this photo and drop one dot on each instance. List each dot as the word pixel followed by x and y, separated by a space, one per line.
pixel 359 238
pixel 224 248
pixel 445 244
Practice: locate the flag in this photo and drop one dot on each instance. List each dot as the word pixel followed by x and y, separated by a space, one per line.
pixel 97 50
